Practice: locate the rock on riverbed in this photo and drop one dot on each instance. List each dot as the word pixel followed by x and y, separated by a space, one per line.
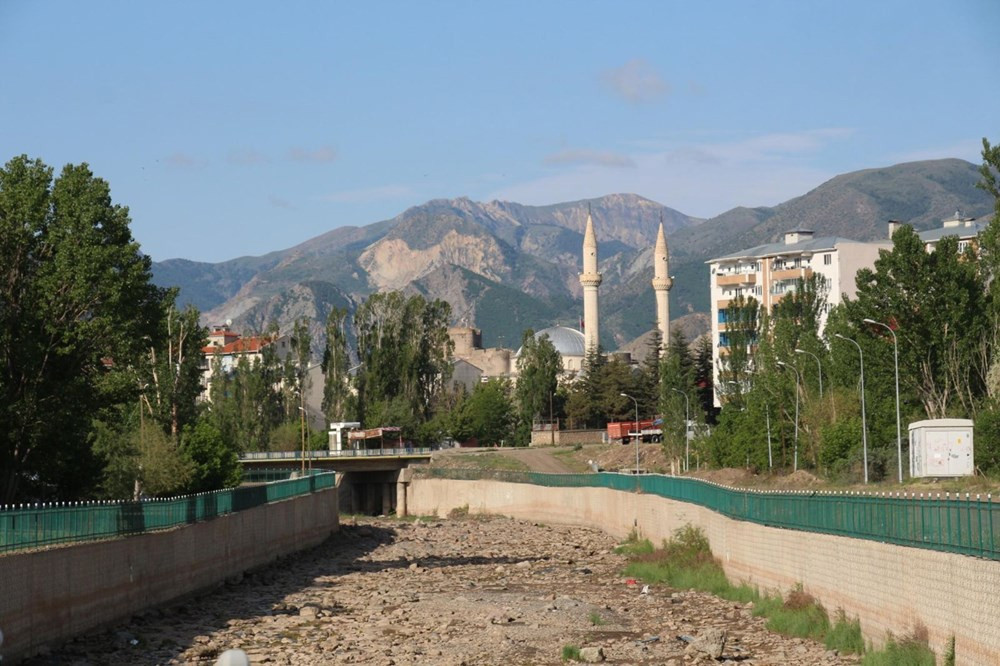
pixel 470 590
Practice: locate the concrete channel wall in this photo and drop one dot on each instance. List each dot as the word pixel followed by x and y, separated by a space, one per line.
pixel 51 595
pixel 888 588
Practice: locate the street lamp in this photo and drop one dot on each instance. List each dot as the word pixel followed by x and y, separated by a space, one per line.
pixel 687 430
pixel 864 423
pixel 819 368
pixel 795 456
pixel 895 360
pixel 626 395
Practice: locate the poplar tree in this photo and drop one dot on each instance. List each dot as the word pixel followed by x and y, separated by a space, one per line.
pixel 77 307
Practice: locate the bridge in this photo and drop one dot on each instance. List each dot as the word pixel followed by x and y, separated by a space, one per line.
pixel 370 481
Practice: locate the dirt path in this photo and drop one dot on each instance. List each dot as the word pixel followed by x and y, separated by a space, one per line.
pixel 540 460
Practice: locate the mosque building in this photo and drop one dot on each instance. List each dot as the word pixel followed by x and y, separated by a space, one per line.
pixel 473 363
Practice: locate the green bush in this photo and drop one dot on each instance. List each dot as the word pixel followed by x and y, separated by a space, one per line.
pixel 570 653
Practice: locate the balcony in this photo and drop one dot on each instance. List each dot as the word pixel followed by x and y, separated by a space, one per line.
pixel 791 274
pixel 736 279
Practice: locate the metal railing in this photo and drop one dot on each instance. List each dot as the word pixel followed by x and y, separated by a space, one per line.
pixel 35 525
pixel 965 524
pixel 345 453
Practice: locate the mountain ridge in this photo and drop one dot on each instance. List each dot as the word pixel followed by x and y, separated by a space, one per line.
pixel 477 254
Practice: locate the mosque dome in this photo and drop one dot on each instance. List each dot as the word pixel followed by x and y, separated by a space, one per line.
pixel 567 341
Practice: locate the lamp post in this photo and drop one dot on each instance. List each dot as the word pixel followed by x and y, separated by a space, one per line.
pixel 819 368
pixel 895 361
pixel 626 395
pixel 795 455
pixel 864 422
pixel 687 429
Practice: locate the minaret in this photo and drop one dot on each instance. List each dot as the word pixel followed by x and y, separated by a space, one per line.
pixel 590 279
pixel 661 285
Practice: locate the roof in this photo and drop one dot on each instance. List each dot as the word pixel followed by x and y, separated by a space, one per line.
pixel 567 341
pixel 974 228
pixel 812 245
pixel 251 345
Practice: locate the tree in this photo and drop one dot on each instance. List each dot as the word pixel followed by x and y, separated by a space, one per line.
pixel 405 356
pixel 170 374
pixel 936 303
pixel 336 364
pixel 215 464
pixel 538 366
pixel 742 320
pixel 488 414
pixel 649 376
pixel 76 307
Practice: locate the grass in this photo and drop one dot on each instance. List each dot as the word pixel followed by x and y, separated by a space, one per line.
pixel 905 652
pixel 595 618
pixel 686 562
pixel 845 635
pixel 570 653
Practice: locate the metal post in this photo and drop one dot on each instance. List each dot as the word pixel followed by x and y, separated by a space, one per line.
pixel 864 422
pixel 552 432
pixel 895 360
pixel 626 395
pixel 819 368
pixel 687 430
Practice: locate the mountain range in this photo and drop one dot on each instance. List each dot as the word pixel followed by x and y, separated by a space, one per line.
pixel 505 266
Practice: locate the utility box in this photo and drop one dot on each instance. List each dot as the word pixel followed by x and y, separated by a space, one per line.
pixel 941 447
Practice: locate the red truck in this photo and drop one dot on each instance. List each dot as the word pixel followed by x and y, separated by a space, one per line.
pixel 651 430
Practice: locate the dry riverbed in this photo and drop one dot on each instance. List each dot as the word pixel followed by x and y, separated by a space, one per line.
pixel 465 590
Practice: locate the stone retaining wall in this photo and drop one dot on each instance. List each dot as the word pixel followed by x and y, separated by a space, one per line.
pixel 887 587
pixel 51 595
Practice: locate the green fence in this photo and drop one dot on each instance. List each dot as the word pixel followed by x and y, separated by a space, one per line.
pixel 31 526
pixel 950 522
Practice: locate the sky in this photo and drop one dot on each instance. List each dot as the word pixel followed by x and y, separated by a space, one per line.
pixel 240 128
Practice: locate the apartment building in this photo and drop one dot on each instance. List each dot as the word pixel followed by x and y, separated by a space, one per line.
pixel 769 272
pixel 967 229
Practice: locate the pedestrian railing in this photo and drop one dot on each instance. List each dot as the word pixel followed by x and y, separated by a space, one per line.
pixel 345 453
pixel 968 524
pixel 34 525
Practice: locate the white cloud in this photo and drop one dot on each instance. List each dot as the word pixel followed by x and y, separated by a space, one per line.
pixel 367 194
pixel 182 160
pixel 701 179
pixel 247 157
pixel 320 155
pixel 583 156
pixel 636 82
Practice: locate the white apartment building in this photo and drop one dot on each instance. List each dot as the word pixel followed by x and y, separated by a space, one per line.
pixel 967 229
pixel 769 272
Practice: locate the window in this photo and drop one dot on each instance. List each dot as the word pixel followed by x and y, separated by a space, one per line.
pixel 827 259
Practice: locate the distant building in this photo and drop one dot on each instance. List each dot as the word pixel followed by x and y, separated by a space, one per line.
pixel 967 229
pixel 475 363
pixel 770 272
pixel 225 348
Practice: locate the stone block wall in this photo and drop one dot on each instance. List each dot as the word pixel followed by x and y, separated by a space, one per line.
pixel 888 588
pixel 51 595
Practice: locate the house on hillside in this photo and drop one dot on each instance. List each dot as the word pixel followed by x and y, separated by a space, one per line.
pixel 225 348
